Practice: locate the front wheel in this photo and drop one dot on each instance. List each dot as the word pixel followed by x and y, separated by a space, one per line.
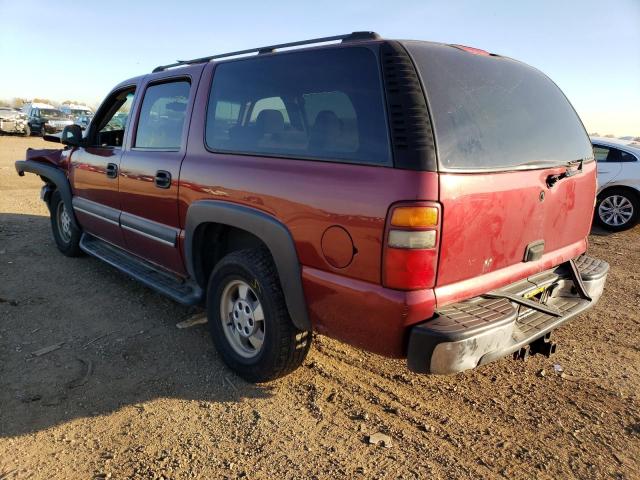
pixel 249 320
pixel 65 234
pixel 617 209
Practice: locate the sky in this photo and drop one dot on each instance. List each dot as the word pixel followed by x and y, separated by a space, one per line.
pixel 79 50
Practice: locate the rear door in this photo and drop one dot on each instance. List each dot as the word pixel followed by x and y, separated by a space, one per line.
pixel 506 138
pixel 150 169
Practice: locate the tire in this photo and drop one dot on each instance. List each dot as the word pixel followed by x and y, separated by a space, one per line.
pixel 617 209
pixel 244 289
pixel 43 131
pixel 66 236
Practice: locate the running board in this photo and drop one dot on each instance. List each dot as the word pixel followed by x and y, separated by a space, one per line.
pixel 184 292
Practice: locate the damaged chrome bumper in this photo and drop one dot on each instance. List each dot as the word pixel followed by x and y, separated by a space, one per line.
pixel 13 126
pixel 482 329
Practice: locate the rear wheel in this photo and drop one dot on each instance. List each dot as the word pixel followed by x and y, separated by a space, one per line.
pixel 249 320
pixel 617 209
pixel 65 234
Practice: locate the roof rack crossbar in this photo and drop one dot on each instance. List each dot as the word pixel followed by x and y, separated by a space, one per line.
pixel 270 48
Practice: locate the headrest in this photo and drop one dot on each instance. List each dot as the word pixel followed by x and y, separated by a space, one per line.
pixel 270 121
pixel 327 121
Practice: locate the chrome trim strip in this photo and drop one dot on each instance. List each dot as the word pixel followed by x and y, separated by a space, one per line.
pixel 149 228
pixel 144 234
pixel 132 223
pixel 98 210
pixel 105 219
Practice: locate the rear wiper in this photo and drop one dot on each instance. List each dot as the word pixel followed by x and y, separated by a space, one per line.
pixel 569 172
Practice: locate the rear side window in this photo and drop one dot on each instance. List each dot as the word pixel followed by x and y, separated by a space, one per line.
pixel 495 113
pixel 609 154
pixel 162 116
pixel 324 105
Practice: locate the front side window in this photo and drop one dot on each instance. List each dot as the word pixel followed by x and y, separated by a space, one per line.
pixel 601 153
pixel 111 125
pixel 162 116
pixel 50 113
pixel 325 105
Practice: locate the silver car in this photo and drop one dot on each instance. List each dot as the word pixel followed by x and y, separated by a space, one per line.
pixel 618 203
pixel 12 121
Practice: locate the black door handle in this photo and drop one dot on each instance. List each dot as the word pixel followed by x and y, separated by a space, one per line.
pixel 112 170
pixel 163 179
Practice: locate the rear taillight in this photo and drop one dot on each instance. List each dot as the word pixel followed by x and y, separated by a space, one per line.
pixel 412 235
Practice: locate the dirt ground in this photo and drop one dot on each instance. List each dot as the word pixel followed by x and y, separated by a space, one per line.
pixel 128 395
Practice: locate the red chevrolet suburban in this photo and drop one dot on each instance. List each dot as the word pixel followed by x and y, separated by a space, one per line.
pixel 414 199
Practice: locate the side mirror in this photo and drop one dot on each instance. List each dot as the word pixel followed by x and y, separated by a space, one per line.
pixel 71 135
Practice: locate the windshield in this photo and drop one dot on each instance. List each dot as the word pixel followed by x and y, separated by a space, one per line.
pixel 50 113
pixel 80 112
pixel 494 113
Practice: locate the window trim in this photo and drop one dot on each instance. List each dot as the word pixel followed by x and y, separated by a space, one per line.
pixel 183 138
pixel 389 163
pixel 93 125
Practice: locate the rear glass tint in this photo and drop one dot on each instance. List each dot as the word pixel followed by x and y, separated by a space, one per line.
pixel 496 113
pixel 322 104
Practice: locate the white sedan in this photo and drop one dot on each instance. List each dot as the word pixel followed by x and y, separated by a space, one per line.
pixel 618 204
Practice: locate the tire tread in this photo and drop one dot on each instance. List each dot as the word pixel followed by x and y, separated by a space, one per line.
pixel 293 343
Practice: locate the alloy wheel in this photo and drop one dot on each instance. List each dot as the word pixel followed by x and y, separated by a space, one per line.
pixel 615 210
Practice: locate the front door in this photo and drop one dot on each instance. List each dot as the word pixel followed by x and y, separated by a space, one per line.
pixel 150 170
pixel 94 169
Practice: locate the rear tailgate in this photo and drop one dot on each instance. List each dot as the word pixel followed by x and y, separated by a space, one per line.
pixel 504 133
pixel 490 219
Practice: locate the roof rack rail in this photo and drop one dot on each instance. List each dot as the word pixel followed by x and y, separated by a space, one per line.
pixel 349 37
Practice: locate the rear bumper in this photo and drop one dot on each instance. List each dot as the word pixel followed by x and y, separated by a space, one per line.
pixel 477 331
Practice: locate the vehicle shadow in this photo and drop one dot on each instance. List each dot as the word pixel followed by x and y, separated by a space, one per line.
pixel 80 339
pixel 599 231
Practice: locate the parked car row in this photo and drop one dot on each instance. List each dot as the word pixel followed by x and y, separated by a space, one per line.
pixel 43 119
pixel 13 121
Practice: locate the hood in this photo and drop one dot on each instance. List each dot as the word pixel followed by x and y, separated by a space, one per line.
pixel 51 156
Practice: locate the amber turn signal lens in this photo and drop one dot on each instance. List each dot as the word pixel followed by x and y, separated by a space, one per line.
pixel 415 217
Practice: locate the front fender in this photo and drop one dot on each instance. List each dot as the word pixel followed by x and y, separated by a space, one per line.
pixel 273 233
pixel 50 174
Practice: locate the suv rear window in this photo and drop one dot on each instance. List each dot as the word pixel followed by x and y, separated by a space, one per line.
pixel 324 105
pixel 495 113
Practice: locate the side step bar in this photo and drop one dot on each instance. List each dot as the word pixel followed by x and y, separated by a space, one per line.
pixel 184 292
